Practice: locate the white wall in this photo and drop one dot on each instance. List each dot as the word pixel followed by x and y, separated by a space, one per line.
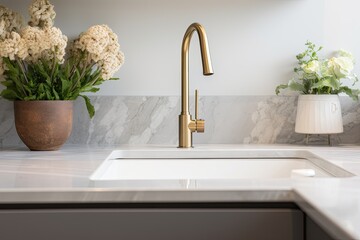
pixel 253 43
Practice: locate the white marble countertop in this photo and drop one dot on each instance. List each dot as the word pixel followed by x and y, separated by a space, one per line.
pixel 63 177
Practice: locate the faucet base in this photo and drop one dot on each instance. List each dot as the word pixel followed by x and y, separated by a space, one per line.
pixel 185 134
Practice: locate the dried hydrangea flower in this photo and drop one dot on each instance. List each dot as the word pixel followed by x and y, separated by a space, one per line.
pixel 35 43
pixel 94 40
pixel 111 64
pixel 100 45
pixel 9 46
pixel 42 14
pixel 57 44
pixel 10 21
pixel 46 43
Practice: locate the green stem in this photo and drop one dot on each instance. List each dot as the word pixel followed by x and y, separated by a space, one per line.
pixel 94 80
pixel 23 72
pixel 22 69
pixel 84 70
pixel 24 65
pixel 53 68
pixel 75 66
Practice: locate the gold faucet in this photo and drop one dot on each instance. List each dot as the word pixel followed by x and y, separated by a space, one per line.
pixel 186 124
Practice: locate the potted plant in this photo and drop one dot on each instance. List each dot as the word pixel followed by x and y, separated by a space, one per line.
pixel 320 81
pixel 43 80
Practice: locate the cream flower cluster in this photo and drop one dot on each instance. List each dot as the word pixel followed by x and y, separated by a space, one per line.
pixel 42 14
pixel 101 46
pixel 10 46
pixel 56 45
pixel 33 46
pixel 39 40
pixel 9 21
pixel 34 43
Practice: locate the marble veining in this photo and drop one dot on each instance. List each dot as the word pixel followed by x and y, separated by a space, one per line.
pixel 154 120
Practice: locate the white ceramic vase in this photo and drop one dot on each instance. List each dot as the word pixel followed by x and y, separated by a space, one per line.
pixel 319 114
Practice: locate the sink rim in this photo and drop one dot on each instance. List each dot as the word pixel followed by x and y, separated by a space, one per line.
pixel 204 169
pixel 216 153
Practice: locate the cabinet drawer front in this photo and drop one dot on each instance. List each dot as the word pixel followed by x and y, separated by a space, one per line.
pixel 157 224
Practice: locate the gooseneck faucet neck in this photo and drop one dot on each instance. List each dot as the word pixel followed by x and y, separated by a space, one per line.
pixel 187 125
pixel 206 62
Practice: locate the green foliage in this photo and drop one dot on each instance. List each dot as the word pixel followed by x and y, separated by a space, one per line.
pixel 51 81
pixel 89 106
pixel 321 76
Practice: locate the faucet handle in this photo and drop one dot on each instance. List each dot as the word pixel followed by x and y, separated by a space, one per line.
pixel 200 123
pixel 196 104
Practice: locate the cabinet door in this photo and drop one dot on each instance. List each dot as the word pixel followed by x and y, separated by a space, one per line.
pixel 315 232
pixel 152 224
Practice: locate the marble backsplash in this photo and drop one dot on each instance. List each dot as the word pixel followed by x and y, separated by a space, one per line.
pixel 154 120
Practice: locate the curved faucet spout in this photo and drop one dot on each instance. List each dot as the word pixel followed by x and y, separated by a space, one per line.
pixel 186 124
pixel 206 61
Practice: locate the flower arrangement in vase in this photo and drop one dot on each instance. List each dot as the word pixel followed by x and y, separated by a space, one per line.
pixel 42 71
pixel 320 81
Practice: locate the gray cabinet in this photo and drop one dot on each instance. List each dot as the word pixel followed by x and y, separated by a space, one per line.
pixel 314 231
pixel 152 224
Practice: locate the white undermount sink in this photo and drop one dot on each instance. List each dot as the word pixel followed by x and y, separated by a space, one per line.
pixel 212 164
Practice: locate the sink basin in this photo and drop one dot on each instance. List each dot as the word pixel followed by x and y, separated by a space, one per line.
pixel 212 164
pixel 152 169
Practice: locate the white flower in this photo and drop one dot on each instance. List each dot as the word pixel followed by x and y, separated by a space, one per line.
pixel 42 14
pixel 341 66
pixel 311 67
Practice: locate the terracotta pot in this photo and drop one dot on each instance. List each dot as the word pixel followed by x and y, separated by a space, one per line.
pixel 43 125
